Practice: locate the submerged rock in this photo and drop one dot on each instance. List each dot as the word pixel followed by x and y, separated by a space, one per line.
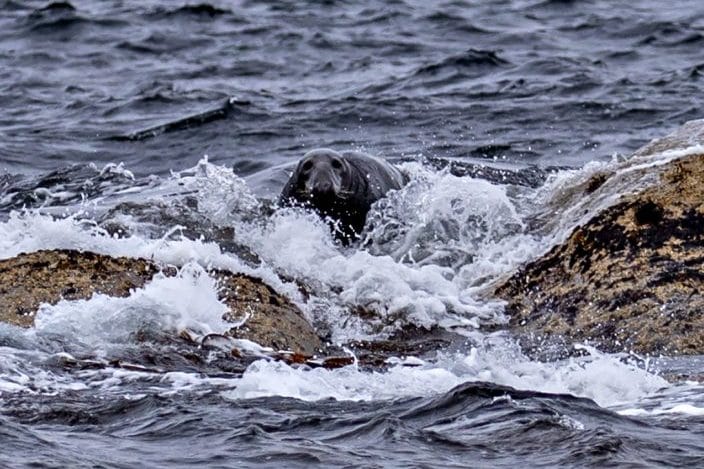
pixel 28 280
pixel 632 277
pixel 157 219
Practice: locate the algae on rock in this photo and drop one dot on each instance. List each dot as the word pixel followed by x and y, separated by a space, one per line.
pixel 632 277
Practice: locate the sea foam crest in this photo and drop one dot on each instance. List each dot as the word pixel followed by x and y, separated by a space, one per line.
pixel 222 195
pixel 600 377
pixel 187 300
pixel 299 244
pixel 441 219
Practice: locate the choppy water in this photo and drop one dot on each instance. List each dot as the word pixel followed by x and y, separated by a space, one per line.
pixel 94 134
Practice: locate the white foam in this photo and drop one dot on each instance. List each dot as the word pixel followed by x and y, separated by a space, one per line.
pixel 602 378
pixel 438 214
pixel 300 245
pixel 222 195
pixel 188 300
pixel 267 378
pixel 180 382
pixel 686 409
pixel 21 372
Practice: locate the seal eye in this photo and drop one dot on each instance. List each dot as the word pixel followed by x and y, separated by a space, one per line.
pixel 337 164
pixel 307 165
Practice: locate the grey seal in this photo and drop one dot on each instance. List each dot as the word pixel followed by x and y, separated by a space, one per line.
pixel 341 187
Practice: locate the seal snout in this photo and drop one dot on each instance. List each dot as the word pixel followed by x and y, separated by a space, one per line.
pixel 324 184
pixel 322 172
pixel 322 188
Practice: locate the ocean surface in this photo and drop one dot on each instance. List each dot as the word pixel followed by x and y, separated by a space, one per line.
pixel 166 117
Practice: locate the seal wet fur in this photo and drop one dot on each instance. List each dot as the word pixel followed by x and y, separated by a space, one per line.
pixel 341 187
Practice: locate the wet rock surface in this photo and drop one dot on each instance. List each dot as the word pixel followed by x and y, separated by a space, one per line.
pixel 30 279
pixel 632 277
pixel 267 318
pixel 410 341
pixel 531 176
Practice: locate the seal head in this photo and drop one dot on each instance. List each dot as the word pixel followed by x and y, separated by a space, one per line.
pixel 341 187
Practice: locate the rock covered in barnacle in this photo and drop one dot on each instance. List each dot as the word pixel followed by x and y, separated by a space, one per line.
pixel 30 279
pixel 632 277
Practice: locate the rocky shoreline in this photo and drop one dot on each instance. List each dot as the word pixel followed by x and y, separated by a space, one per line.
pixel 629 279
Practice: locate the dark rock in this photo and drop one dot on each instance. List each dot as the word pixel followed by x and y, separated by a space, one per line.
pixel 531 176
pixel 156 219
pixel 632 277
pixel 410 341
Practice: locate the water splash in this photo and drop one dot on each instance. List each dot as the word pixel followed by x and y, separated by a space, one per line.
pixel 430 250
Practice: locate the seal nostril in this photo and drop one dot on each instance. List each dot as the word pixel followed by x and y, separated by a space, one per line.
pixel 307 166
pixel 337 164
pixel 322 188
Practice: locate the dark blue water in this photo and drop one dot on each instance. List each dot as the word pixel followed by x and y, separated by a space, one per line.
pixel 157 85
pixel 472 425
pixel 534 82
